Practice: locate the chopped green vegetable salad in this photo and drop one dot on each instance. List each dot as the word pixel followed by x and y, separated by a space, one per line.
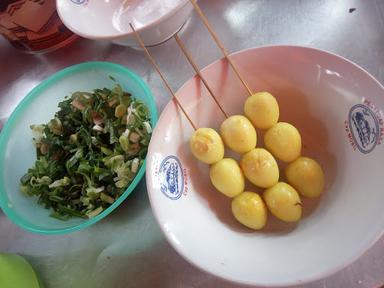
pixel 89 153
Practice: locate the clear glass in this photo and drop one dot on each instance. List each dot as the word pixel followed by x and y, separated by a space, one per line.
pixel 33 26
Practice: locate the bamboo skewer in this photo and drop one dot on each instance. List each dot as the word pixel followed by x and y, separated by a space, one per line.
pixel 218 42
pixel 193 64
pixel 150 58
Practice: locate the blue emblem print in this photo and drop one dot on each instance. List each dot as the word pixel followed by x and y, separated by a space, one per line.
pixel 171 177
pixel 364 126
pixel 78 1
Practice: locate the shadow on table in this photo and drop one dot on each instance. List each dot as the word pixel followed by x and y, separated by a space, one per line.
pixel 159 266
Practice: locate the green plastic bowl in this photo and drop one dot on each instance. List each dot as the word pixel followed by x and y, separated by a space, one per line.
pixel 16 272
pixel 17 152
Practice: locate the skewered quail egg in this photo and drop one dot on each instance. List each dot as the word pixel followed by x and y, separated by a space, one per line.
pixel 227 177
pixel 262 110
pixel 260 167
pixel 306 175
pixel 283 140
pixel 238 134
pixel 284 202
pixel 206 145
pixel 249 209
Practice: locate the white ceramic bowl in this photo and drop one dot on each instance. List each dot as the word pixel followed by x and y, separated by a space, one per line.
pixel 337 107
pixel 156 20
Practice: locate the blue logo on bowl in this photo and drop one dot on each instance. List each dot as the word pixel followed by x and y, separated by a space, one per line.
pixel 365 128
pixel 171 177
pixel 78 1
